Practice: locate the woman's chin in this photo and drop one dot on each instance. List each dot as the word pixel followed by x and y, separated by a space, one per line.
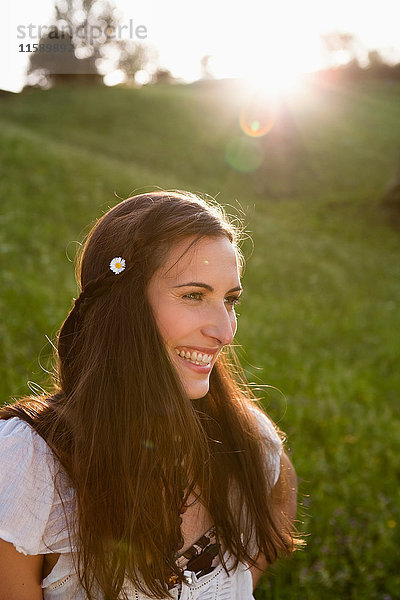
pixel 198 390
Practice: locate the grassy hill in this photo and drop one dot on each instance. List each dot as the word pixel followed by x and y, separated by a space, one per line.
pixel 320 321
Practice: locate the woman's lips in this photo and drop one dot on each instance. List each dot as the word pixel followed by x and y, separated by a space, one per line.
pixel 193 367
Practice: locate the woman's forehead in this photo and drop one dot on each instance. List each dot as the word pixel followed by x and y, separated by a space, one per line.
pixel 208 256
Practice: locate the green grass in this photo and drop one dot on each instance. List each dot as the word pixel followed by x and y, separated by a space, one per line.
pixel 320 321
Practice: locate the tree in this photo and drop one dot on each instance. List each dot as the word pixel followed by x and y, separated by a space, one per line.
pixel 162 76
pixel 91 24
pixel 134 57
pixel 83 45
pixel 76 43
pixel 56 61
pixel 377 67
pixel 342 48
pixel 206 72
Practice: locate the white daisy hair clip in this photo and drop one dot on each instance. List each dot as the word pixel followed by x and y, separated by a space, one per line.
pixel 117 265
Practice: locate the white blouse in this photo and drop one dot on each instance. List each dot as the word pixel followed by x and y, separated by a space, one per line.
pixel 32 517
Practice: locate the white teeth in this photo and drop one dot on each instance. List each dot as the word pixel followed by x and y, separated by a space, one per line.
pixel 195 357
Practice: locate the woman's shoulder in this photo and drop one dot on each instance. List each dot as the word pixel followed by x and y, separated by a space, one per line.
pixel 28 462
pixel 23 449
pixel 267 428
pixel 18 438
pixel 273 444
pixel 26 485
pixel 14 426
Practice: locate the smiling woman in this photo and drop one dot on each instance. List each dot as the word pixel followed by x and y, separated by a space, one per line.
pixel 149 469
pixel 195 326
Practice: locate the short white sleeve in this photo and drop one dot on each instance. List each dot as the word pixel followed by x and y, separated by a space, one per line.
pixel 273 444
pixel 26 486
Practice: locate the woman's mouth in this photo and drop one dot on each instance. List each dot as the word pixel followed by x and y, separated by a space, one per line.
pixel 194 356
pixel 197 361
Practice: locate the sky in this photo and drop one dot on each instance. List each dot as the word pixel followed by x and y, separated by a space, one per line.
pixel 244 38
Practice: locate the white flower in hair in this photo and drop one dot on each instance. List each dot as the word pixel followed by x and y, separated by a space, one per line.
pixel 117 265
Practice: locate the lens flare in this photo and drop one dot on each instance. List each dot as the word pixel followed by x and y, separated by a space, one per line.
pixel 258 115
pixel 244 155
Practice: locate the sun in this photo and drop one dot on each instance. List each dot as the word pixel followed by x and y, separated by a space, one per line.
pixel 274 81
pixel 272 55
pixel 271 78
pixel 280 72
pixel 266 88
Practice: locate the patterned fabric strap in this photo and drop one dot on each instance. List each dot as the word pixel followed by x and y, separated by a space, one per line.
pixel 200 558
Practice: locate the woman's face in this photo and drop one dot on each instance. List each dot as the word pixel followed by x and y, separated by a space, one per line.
pixel 193 304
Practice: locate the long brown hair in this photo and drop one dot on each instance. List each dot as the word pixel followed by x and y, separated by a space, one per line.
pixel 122 427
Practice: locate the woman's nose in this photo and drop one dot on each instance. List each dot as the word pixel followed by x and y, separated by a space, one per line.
pixel 220 324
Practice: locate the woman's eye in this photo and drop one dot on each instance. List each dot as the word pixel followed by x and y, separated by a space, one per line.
pixel 230 301
pixel 233 300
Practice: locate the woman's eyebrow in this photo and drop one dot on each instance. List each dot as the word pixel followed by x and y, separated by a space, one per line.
pixel 206 286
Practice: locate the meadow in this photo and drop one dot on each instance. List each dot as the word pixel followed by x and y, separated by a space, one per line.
pixel 318 332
